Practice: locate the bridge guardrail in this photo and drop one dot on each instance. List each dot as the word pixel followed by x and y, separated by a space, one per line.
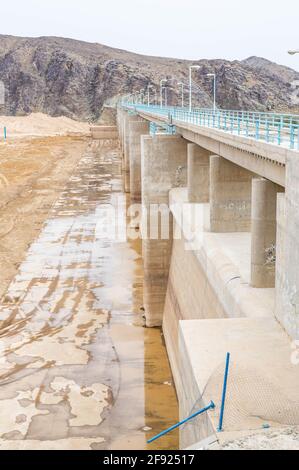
pixel 279 129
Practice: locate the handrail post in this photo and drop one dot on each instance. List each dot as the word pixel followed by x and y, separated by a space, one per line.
pixel 220 427
pixel 279 133
pixel 257 129
pixel 292 137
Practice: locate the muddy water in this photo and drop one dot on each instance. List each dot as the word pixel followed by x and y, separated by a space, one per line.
pixel 77 368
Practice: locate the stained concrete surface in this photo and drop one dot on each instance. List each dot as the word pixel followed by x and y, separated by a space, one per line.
pixel 77 368
pixel 262 384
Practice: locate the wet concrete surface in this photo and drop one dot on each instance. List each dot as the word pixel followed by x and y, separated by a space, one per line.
pixel 78 370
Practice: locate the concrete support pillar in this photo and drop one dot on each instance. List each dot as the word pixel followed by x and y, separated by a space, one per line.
pixel 120 126
pixel 230 196
pixel 263 232
pixel 136 130
pixel 162 160
pixel 126 167
pixel 198 174
pixel 287 250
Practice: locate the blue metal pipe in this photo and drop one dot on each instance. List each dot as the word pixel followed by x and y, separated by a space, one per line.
pixel 224 393
pixel 211 406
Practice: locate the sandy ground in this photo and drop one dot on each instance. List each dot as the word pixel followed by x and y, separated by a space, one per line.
pixel 33 172
pixel 272 439
pixel 38 124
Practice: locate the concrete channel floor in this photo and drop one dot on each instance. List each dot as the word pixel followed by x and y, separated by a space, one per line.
pixel 77 368
pixel 263 379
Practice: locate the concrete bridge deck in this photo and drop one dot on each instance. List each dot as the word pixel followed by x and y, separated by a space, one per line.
pixel 265 158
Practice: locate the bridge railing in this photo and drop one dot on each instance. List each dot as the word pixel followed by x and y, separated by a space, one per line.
pixel 279 129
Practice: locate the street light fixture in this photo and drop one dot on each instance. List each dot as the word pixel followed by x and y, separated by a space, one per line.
pixel 293 52
pixel 190 84
pixel 161 91
pixel 182 85
pixel 214 89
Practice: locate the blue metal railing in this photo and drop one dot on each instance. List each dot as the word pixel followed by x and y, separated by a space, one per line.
pixel 278 129
pixel 165 128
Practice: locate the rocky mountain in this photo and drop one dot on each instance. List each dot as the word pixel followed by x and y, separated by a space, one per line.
pixel 73 78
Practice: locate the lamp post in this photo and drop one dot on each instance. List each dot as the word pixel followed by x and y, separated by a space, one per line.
pixel 190 84
pixel 161 91
pixel 182 85
pixel 214 89
pixel 293 52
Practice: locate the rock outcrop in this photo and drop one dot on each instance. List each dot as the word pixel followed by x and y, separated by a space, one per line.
pixel 66 77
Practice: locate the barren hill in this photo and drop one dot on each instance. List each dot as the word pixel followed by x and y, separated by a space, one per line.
pixel 66 77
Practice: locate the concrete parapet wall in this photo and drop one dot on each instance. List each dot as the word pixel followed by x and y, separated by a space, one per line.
pixel 283 308
pixel 287 262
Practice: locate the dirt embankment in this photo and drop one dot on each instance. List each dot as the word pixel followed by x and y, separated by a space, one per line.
pixel 33 172
pixel 41 125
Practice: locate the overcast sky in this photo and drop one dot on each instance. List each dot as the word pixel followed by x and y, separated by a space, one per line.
pixel 191 29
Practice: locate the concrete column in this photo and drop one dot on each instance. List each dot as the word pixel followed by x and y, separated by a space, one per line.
pixel 136 130
pixel 263 232
pixel 162 159
pixel 287 262
pixel 120 125
pixel 198 174
pixel 128 118
pixel 230 196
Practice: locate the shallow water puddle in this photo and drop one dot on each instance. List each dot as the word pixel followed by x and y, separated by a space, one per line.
pixel 77 368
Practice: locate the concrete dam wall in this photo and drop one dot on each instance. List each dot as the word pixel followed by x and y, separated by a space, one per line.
pixel 215 284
